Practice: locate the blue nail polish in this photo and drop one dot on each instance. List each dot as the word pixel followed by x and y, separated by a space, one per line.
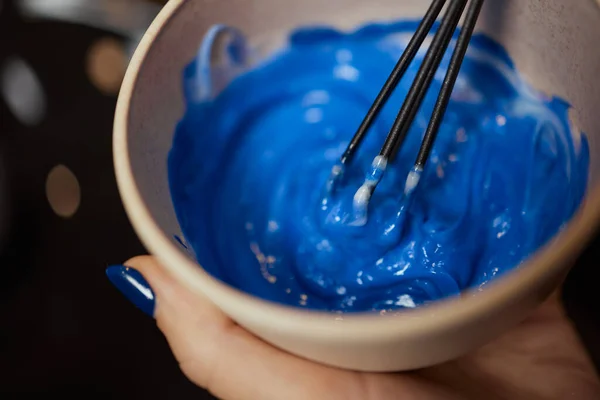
pixel 133 286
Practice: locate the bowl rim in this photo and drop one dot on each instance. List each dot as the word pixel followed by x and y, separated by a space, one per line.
pixel 444 314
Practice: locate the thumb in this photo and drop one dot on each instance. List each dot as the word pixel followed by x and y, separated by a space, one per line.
pixel 179 313
pixel 213 351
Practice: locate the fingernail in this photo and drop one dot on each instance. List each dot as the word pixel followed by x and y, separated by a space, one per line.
pixel 133 286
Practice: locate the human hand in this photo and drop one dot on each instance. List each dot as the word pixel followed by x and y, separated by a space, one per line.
pixel 541 358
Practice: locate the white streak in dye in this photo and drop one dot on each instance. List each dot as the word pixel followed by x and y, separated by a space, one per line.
pixel 405 301
pixel 359 278
pixel 363 194
pixel 336 170
pixel 380 162
pixel 412 180
pixel 389 229
pixel 361 203
pixel 334 176
pixel 402 271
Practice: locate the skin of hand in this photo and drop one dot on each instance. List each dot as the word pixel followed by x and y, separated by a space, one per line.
pixel 541 358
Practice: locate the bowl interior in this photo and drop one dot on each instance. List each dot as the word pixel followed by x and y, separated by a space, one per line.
pixel 554 46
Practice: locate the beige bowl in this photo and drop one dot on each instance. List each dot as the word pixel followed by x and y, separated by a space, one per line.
pixel 555 45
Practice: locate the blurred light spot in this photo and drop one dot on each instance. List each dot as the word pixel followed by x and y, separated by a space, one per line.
pixel 106 64
pixel 23 91
pixel 63 192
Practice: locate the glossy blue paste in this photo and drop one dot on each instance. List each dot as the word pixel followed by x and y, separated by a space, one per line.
pixel 247 172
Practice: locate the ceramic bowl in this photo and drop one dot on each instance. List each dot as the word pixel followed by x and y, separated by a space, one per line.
pixel 554 44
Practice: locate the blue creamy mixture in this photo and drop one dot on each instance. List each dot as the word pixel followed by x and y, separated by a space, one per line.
pixel 247 172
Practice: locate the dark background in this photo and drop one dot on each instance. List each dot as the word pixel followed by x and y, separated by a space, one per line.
pixel 63 328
